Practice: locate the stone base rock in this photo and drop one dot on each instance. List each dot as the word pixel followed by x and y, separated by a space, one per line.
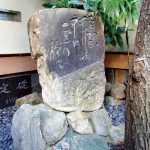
pixel 33 99
pixel 108 87
pixel 101 122
pixel 37 127
pixel 111 101
pixel 118 91
pixel 75 141
pixel 79 121
pixel 116 134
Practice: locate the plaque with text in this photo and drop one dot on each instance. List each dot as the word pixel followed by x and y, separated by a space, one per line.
pixel 12 88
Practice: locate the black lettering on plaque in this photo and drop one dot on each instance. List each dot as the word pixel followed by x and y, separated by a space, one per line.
pixel 12 88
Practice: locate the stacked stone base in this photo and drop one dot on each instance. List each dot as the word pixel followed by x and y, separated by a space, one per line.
pixel 39 127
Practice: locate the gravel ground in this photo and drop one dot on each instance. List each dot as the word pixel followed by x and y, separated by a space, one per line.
pixel 116 113
pixel 116 147
pixel 6 116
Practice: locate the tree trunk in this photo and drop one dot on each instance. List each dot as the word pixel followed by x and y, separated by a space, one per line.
pixel 138 101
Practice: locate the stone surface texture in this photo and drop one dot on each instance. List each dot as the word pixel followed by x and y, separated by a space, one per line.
pixel 108 87
pixel 111 101
pixel 68 46
pixel 37 127
pixel 116 134
pixel 33 99
pixel 101 122
pixel 79 121
pixel 118 91
pixel 75 141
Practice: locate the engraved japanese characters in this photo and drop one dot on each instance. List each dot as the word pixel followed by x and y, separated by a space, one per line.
pixel 12 88
pixel 68 45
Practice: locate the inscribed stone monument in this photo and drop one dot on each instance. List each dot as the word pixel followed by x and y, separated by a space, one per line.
pixel 68 45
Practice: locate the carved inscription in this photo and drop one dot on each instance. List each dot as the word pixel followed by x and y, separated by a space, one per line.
pixel 13 88
pixel 3 89
pixel 72 45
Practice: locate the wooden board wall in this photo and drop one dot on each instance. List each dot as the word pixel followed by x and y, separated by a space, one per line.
pixel 16 64
pixel 117 60
pixel 116 75
pixel 19 64
pixel 117 67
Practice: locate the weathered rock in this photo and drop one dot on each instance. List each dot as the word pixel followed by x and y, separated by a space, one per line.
pixel 26 128
pixel 68 45
pixel 75 141
pixel 117 133
pixel 118 91
pixel 79 121
pixel 111 101
pixel 37 127
pixel 33 99
pixel 53 124
pixel 108 87
pixel 101 122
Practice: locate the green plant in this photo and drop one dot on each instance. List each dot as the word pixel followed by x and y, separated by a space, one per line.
pixel 113 13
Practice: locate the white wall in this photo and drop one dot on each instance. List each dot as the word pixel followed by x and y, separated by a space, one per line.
pixel 13 35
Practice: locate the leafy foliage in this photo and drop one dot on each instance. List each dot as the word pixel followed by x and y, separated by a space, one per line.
pixel 113 13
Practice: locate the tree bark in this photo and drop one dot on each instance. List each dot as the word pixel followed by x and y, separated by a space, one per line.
pixel 138 99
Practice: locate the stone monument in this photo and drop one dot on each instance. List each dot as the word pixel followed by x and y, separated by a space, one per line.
pixel 68 46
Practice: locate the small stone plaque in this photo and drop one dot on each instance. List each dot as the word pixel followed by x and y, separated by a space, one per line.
pixel 12 88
